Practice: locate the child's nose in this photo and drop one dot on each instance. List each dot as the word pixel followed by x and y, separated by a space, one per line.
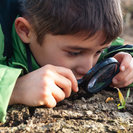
pixel 88 64
pixel 85 66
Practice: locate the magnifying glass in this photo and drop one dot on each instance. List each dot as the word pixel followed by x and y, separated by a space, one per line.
pixel 100 76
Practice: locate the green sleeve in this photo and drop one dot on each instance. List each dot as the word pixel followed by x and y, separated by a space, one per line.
pixel 8 77
pixel 116 43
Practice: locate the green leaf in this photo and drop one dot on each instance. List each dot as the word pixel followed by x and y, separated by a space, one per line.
pixel 121 107
pixel 121 98
pixel 128 93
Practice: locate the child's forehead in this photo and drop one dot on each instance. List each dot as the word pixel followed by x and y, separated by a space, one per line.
pixel 77 41
pixel 82 41
pixel 85 36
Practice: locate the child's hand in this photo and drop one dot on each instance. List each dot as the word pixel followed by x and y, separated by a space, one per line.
pixel 125 76
pixel 45 86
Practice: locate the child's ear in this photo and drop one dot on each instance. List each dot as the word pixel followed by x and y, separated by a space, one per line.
pixel 23 29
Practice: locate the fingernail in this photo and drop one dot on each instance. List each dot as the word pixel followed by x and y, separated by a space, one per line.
pixel 115 81
pixel 122 68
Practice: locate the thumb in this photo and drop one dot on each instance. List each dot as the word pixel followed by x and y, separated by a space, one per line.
pixel 124 59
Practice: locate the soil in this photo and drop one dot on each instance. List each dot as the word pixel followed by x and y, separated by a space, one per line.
pixel 82 112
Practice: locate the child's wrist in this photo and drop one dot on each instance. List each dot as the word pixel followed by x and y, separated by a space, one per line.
pixel 16 94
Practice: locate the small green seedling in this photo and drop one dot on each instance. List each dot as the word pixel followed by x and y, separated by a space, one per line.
pixel 122 104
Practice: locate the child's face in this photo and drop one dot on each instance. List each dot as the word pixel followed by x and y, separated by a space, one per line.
pixel 71 51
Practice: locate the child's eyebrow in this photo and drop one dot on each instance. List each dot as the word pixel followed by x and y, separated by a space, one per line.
pixel 78 48
pixel 81 48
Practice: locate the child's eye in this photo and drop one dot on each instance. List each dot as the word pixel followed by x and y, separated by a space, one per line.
pixel 99 52
pixel 74 53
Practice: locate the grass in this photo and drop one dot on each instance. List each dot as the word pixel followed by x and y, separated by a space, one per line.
pixel 122 104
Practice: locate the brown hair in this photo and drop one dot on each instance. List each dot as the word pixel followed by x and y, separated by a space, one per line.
pixel 61 17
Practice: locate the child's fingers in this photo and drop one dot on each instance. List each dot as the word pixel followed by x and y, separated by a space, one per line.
pixel 120 78
pixel 68 74
pixel 123 74
pixel 64 84
pixel 49 101
pixel 124 59
pixel 58 93
pixel 127 63
pixel 123 78
pixel 60 87
pixel 65 72
pixel 121 85
pixel 52 94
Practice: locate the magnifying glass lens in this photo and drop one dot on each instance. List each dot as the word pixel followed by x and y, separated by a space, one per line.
pixel 102 78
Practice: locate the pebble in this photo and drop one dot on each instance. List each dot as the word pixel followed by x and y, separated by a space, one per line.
pixel 27 129
pixel 89 112
pixel 83 99
pixel 84 106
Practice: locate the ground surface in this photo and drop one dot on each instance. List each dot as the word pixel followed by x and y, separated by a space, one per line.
pixel 82 113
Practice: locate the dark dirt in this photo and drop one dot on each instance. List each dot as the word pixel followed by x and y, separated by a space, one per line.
pixel 80 113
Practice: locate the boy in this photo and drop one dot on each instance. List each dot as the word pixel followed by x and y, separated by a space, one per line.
pixel 55 42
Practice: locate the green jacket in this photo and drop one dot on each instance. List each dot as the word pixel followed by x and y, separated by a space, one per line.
pixel 17 66
pixel 9 72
